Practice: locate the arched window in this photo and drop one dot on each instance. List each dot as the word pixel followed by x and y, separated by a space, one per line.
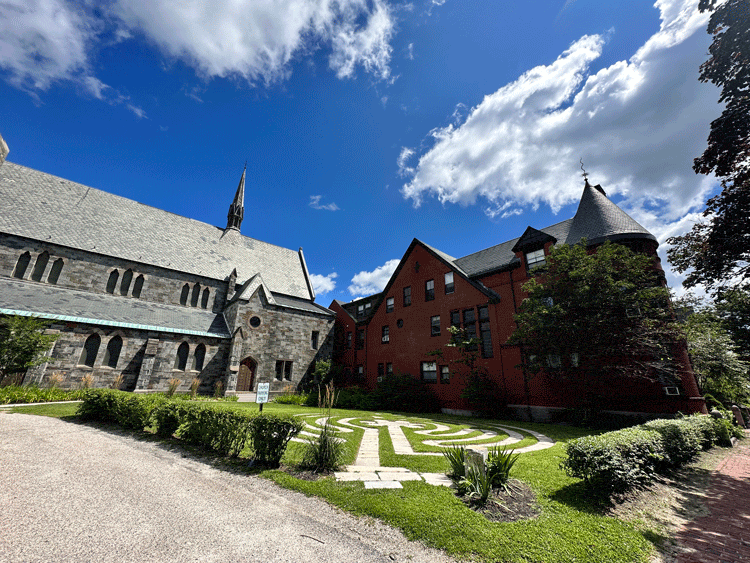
pixel 180 361
pixel 127 277
pixel 112 281
pixel 113 352
pixel 21 265
pixel 184 294
pixel 54 273
pixel 199 356
pixel 196 295
pixel 138 286
pixel 40 266
pixel 90 349
pixel 204 301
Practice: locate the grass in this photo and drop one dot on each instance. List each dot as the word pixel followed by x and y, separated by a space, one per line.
pixel 569 528
pixel 56 410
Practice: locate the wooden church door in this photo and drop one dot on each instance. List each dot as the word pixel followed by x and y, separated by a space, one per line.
pixel 246 375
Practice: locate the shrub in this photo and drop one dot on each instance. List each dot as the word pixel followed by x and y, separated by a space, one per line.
pixel 118 407
pixel 219 429
pixel 167 417
pixel 33 394
pixel 456 456
pixel 615 461
pixel 99 405
pixel 292 399
pixel 681 439
pixel 219 389
pixel 403 392
pixel 270 435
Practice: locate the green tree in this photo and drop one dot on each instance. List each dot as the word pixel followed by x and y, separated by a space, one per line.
pixel 718 367
pixel 733 307
pixel 22 344
pixel 590 316
pixel 717 251
pixel 479 388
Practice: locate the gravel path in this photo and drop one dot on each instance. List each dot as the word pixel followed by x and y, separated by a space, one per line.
pixel 70 492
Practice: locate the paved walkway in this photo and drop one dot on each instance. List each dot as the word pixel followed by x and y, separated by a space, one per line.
pixel 723 536
pixel 72 492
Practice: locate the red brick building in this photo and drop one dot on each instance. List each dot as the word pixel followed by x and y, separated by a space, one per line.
pixel 396 330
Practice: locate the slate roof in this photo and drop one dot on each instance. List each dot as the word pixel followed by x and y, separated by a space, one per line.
pixel 302 305
pixel 43 207
pixel 597 219
pixel 502 255
pixel 26 298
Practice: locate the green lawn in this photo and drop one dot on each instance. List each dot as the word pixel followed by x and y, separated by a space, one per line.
pixel 569 528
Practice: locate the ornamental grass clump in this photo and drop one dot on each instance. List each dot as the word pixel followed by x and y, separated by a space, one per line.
pixel 174 383
pixel 325 452
pixel 456 456
pixel 194 387
pixel 499 463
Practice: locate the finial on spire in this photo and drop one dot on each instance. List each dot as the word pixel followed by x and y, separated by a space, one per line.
pixel 585 174
pixel 237 209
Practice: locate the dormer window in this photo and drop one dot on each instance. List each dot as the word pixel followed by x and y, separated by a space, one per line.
pixel 535 259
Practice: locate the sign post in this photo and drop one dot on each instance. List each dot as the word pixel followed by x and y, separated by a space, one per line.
pixel 262 395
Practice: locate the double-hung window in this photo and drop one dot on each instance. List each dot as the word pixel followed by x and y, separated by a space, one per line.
pixel 435 325
pixel 360 338
pixel 389 305
pixel 445 374
pixel 449 287
pixel 429 290
pixel 429 372
pixel 407 296
pixel 386 334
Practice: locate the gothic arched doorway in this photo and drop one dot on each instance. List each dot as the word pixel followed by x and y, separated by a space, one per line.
pixel 246 375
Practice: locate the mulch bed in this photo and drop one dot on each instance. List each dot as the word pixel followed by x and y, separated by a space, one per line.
pixel 517 503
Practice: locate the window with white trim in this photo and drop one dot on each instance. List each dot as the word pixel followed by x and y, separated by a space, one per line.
pixel 449 287
pixel 435 325
pixel 535 258
pixel 429 372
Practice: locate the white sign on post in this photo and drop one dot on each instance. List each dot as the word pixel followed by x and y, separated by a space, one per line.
pixel 262 394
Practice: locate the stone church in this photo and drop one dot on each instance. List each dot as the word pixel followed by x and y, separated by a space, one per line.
pixel 151 296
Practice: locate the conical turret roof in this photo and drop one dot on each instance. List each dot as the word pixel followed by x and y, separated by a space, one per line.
pixel 598 220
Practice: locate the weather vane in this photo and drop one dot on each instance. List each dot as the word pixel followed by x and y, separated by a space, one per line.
pixel 585 175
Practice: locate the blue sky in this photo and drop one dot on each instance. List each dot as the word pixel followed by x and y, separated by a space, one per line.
pixel 366 123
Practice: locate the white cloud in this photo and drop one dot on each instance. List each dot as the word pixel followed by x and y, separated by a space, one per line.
pixel 44 41
pixel 257 40
pixel 315 204
pixel 403 162
pixel 367 283
pixel 637 124
pixel 323 284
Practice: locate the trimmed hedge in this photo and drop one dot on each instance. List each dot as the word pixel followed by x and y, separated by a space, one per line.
pixel 224 431
pixel 214 427
pixel 270 435
pixel 614 462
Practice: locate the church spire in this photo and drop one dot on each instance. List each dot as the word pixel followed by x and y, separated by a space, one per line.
pixel 237 209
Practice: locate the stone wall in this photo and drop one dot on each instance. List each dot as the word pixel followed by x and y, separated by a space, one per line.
pixel 283 335
pixel 90 272
pixel 67 363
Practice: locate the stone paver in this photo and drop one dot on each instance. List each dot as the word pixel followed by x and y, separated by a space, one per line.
pixel 383 485
pixel 723 536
